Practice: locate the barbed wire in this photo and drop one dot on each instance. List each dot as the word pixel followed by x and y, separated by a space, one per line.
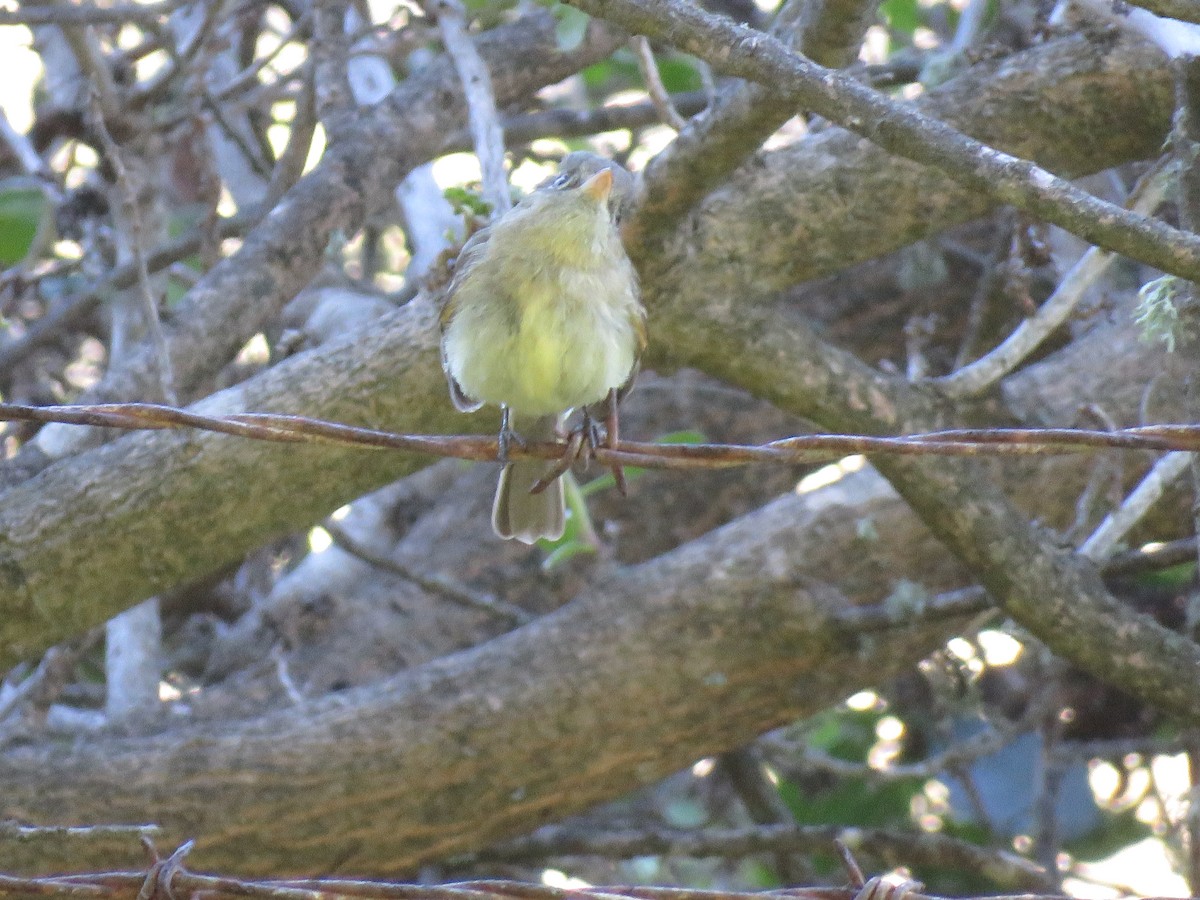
pixel 167 879
pixel 282 428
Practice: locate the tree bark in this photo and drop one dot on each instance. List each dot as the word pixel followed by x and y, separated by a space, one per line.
pixel 692 653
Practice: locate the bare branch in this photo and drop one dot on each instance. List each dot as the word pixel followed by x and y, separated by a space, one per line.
pixel 887 847
pixel 567 122
pixel 435 584
pixel 1183 10
pixel 901 129
pixel 486 132
pixel 146 15
pixel 654 86
pixel 129 201
pixel 1117 524
pixel 1147 195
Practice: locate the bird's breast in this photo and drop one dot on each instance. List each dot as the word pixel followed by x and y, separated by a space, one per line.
pixel 564 341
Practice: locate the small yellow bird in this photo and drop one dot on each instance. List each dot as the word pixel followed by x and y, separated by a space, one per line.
pixel 543 316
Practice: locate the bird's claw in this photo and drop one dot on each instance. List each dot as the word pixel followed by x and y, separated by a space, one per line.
pixel 570 453
pixel 607 437
pixel 507 437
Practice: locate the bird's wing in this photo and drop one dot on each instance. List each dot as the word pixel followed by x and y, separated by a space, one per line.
pixel 471 253
pixel 458 397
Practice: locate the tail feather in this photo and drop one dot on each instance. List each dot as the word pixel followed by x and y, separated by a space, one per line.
pixel 516 513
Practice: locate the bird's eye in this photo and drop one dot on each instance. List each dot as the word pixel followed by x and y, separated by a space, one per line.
pixel 561 181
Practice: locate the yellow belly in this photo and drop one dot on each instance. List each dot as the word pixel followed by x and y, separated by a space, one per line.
pixel 559 347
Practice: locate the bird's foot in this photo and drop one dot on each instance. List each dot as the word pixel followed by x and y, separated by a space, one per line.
pixel 570 453
pixel 607 436
pixel 592 434
pixel 507 437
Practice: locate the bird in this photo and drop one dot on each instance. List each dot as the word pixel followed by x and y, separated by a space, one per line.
pixel 543 315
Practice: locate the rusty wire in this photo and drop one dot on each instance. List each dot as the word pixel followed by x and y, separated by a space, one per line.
pixel 792 450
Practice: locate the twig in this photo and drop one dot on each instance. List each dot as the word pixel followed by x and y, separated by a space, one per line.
pixel 977 377
pixel 102 88
pixel 654 85
pixel 33 164
pixel 23 690
pixel 433 584
pixel 565 122
pixel 56 668
pixel 969 26
pixel 253 156
pixel 75 309
pixel 738 119
pixel 956 757
pixel 1183 10
pixel 486 132
pixel 330 49
pixel 1148 492
pixel 1048 789
pixel 16 832
pixel 248 77
pixel 765 806
pixel 902 129
pixel 166 375
pixel 145 15
pixel 284 675
pixel 290 164
pixel 993 270
pixel 894 846
pixel 178 64
pixel 1155 556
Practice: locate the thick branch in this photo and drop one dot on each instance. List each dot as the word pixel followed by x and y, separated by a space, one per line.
pixel 646 672
pixel 1059 598
pixel 742 116
pixel 821 204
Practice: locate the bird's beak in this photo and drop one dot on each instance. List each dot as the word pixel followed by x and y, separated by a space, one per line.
pixel 598 186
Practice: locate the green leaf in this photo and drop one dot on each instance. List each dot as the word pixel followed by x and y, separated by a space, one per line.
pixel 21 211
pixel 466 201
pixel 678 74
pixel 1175 577
pixel 579 535
pixel 902 15
pixel 563 549
pixel 1117 833
pixel 570 27
pixel 853 801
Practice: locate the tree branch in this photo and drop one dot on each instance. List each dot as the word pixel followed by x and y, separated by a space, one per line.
pixel 900 129
pixel 648 670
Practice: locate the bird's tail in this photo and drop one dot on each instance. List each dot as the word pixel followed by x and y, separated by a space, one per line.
pixel 519 514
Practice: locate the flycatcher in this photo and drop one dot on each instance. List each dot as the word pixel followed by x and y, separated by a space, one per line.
pixel 543 316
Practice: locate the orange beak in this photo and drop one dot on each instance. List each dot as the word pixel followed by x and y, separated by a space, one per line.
pixel 598 186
